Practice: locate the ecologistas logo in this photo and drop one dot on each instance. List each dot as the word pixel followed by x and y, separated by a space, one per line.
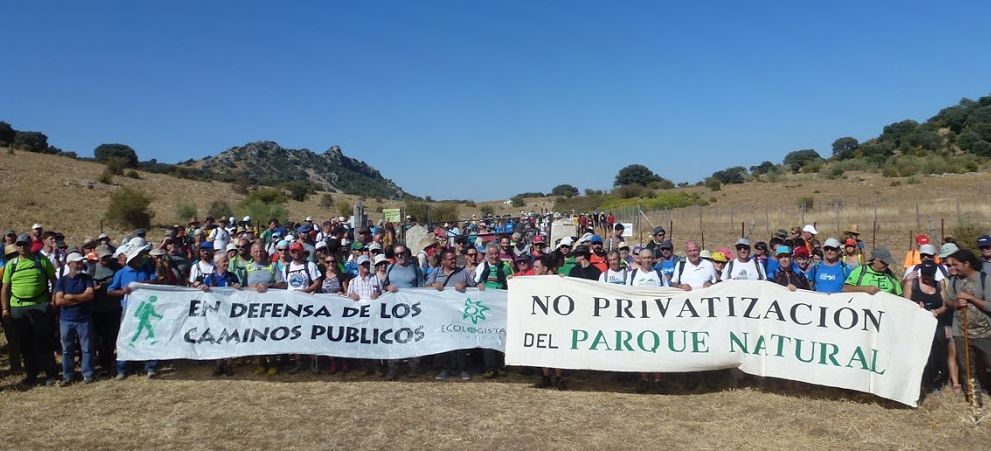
pixel 474 311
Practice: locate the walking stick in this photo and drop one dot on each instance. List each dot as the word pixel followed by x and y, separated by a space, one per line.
pixel 971 398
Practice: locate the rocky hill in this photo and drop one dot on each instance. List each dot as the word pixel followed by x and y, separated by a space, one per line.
pixel 268 163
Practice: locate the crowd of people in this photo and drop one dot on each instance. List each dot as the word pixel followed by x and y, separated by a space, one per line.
pixel 75 295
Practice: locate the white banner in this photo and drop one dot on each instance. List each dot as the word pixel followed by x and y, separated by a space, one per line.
pixel 877 344
pixel 163 322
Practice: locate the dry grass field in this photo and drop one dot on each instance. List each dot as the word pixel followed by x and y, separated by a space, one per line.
pixel 188 409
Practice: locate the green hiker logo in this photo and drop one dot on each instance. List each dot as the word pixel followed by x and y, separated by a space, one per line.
pixel 474 310
pixel 145 314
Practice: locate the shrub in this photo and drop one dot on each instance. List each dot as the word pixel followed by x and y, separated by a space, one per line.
pixel 107 177
pixel 259 209
pixel 913 180
pixel 133 175
pixel 241 186
pixel 299 190
pixel 116 165
pixel 486 210
pixel 631 191
pixel 184 212
pixel 834 172
pixel 805 202
pixel 344 210
pixel 220 208
pixel 129 209
pixel 519 201
pixel 713 184
pixel 326 201
pixel 966 233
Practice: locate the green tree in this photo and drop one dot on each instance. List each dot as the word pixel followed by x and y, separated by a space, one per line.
pixel 845 147
pixel 762 168
pixel 219 209
pixel 31 141
pixel 7 134
pixel 104 152
pixel 895 133
pixel 564 190
pixel 185 212
pixel 713 184
pixel 486 210
pixel 635 174
pixel 795 160
pixel 517 201
pixel 129 208
pixel 736 174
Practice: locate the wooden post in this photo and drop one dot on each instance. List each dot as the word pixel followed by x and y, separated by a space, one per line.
pixel 942 228
pixel 743 232
pixel 874 235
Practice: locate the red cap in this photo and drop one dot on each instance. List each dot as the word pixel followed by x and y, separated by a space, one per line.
pixel 801 251
pixel 850 242
pixel 296 246
pixel 921 239
pixel 538 239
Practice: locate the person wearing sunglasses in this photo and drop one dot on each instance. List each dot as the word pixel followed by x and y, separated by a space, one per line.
pixel 875 276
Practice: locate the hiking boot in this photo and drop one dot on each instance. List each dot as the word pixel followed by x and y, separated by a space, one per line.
pixel 229 369
pixel 87 380
pixel 64 382
pixel 465 376
pixel 442 375
pixel 152 374
pixel 488 374
pixel 642 386
pixel 390 375
pixel 560 384
pixel 120 376
pixel 545 382
pixel 414 372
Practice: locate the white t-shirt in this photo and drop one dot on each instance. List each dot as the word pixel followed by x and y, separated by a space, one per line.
pixel 939 272
pixel 200 269
pixel 649 278
pixel 221 238
pixel 300 275
pixel 748 270
pixel 694 275
pixel 616 277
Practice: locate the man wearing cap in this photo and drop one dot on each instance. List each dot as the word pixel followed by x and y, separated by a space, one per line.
pixel 743 267
pixel 36 238
pixel 134 271
pixel 828 275
pixel 875 276
pixel 656 240
pixel 913 256
pixel 598 257
pixel 694 272
pixel 984 245
pixel 584 269
pixel 73 295
pixel 567 258
pixel 301 274
pixel 451 276
pixel 786 277
pixel 357 250
pixel 927 252
pixel 105 310
pixel 666 260
pixel 25 301
pixel 203 266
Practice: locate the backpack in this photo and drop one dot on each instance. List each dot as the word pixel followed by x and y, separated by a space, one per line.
pixel 729 269
pixel 306 272
pixel 660 275
pixel 37 266
pixel 814 273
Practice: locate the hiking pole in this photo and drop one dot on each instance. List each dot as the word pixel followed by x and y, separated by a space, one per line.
pixel 971 398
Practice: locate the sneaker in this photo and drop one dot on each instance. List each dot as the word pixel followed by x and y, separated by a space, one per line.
pixel 545 382
pixel 465 376
pixel 442 375
pixel 50 382
pixel 560 384
pixel 642 386
pixel 488 374
pixel 273 371
pixel 120 376
pixel 151 374
pixel 390 375
pixel 64 382
pixel 87 380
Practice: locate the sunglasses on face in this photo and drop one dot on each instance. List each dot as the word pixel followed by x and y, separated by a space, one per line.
pixel 330 262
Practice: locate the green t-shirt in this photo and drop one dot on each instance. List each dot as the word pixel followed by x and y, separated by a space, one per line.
pixel 886 282
pixel 28 286
pixel 569 262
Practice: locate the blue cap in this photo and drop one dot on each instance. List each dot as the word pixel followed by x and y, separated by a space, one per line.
pixel 984 241
pixel 782 249
pixel 206 246
pixel 303 228
pixel 596 239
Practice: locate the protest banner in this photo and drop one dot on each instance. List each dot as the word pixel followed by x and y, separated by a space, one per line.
pixel 877 344
pixel 162 322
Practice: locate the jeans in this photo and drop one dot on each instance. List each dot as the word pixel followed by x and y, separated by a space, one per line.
pixel 33 326
pixel 70 331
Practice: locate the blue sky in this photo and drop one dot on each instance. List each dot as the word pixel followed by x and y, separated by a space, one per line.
pixel 483 100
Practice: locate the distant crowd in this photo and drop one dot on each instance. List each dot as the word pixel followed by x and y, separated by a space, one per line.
pixel 74 295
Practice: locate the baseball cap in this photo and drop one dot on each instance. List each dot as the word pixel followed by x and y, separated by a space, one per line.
pixel 309 218
pixel 582 250
pixel 103 251
pixel 883 254
pixel 586 237
pixel 157 252
pixel 363 259
pixel 624 245
pixel 283 244
pixel 921 239
pixel 538 239
pixel 781 233
pixel 566 241
pixel 850 242
pixel 947 249
pixel 596 239
pixel 760 245
pixel 810 229
pixel 37 226
pixel 10 232
pixel 231 247
pixel 102 236
pixel 927 249
pixel 833 243
pixel 10 249
pixel 743 242
pixel 23 238
pixel 666 244
pixel 984 241
pixel 296 246
pixel 246 219
pixel 801 252
pixel 206 246
pixel 375 247
pixel 321 245
pixel 357 246
pixel 139 232
pixel 379 259
pixel 305 228
pixel 659 229
pixel 782 250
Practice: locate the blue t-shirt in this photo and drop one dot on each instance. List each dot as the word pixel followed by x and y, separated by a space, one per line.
pixel 75 285
pixel 773 266
pixel 666 267
pixel 829 279
pixel 126 276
